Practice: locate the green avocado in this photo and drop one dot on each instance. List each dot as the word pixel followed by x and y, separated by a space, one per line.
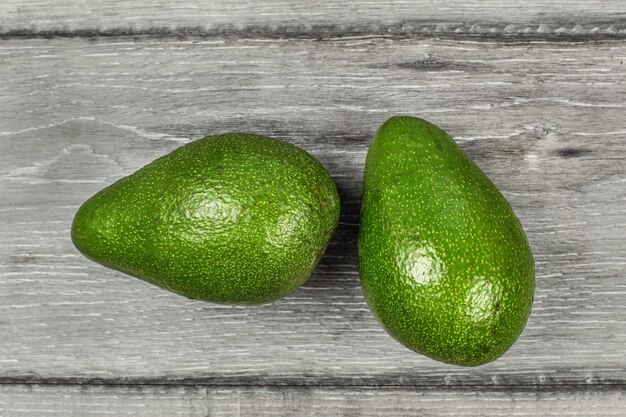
pixel 234 219
pixel 445 265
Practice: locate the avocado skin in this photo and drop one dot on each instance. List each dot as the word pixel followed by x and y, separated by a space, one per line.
pixel 235 219
pixel 444 262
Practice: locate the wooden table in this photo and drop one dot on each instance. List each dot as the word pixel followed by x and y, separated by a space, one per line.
pixel 534 91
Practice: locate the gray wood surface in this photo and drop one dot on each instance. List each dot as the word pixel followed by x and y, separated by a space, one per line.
pixel 150 401
pixel 533 91
pixel 545 121
pixel 286 18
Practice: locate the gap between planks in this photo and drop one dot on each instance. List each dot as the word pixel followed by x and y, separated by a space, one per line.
pixel 548 31
pixel 333 382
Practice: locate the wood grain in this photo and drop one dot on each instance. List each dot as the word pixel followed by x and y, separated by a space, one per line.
pixel 544 120
pixel 156 401
pixel 306 18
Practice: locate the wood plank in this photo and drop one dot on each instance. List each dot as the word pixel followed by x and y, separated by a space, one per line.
pixel 155 401
pixel 544 120
pixel 593 18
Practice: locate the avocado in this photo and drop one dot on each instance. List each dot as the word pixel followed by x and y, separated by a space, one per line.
pixel 235 219
pixel 444 262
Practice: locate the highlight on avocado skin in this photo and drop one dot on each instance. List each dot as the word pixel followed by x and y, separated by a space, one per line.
pixel 236 218
pixel 444 262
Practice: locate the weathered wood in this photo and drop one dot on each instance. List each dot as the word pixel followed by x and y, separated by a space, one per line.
pixel 591 18
pixel 545 121
pixel 156 401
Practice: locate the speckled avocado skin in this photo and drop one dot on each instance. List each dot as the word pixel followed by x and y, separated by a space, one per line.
pixel 445 265
pixel 235 218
